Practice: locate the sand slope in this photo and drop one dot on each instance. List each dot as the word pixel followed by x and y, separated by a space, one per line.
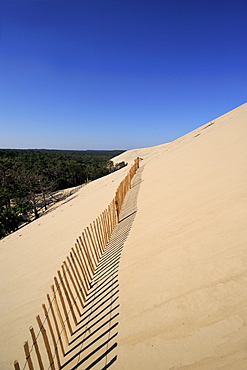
pixel 30 257
pixel 183 268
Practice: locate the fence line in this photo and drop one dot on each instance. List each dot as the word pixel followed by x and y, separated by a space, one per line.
pixel 71 286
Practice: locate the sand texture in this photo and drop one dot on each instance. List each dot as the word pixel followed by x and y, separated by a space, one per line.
pixel 183 296
pixel 182 272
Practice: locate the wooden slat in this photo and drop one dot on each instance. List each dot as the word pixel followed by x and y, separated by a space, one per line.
pixel 114 213
pixel 86 249
pixel 102 224
pixel 90 248
pixel 69 289
pixel 36 347
pixel 96 244
pixel 65 311
pixel 79 255
pixel 110 218
pixel 79 278
pixel 93 247
pixel 60 316
pixel 105 227
pixel 75 282
pixel 28 356
pixel 81 272
pixel 46 342
pixel 78 284
pixel 96 230
pixel 52 335
pixel 16 365
pixel 85 259
pixel 56 324
pixel 67 297
pixel 100 229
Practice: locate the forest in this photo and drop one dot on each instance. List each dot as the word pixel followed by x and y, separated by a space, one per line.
pixel 31 178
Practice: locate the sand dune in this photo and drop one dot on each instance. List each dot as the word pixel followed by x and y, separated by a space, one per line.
pixel 31 256
pixel 183 267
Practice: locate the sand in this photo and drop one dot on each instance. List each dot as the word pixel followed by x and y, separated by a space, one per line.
pixel 183 300
pixel 31 256
pixel 183 267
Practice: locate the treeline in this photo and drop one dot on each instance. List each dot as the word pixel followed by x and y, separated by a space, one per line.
pixel 30 178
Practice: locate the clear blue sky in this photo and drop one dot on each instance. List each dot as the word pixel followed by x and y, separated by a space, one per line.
pixel 117 74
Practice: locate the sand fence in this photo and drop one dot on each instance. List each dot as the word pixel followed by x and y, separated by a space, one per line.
pixel 62 311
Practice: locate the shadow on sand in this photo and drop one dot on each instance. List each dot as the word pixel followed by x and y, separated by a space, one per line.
pixel 93 344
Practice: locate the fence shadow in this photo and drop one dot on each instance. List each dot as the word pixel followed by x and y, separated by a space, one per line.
pixel 93 344
pixel 80 319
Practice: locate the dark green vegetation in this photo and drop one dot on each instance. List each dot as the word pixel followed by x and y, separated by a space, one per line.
pixel 30 178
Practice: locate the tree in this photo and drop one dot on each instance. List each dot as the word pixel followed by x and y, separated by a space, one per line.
pixel 28 179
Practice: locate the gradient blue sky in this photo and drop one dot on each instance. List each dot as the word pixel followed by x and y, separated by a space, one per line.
pixel 117 74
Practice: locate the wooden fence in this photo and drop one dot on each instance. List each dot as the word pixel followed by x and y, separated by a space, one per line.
pixel 67 298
